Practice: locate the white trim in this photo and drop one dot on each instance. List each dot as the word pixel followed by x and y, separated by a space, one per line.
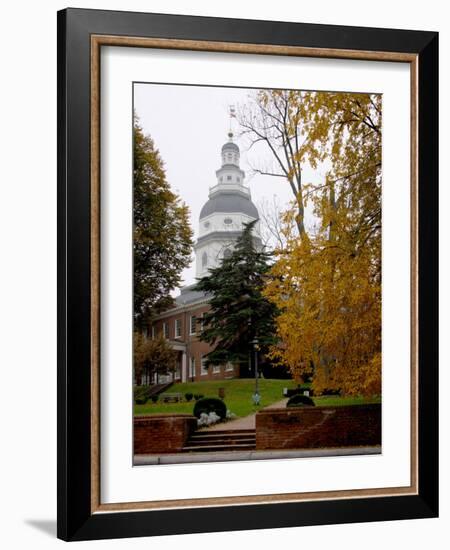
pixel 203 369
pixel 192 365
pixel 177 334
pixel 190 325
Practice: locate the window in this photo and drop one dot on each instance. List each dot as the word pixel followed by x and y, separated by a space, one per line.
pixel 165 330
pixel 206 225
pixel 193 327
pixel 238 179
pixel 204 369
pixel 227 221
pixel 226 253
pixel 216 369
pixel 204 259
pixel 192 367
pixel 228 178
pixel 178 371
pixel 177 328
pixel 229 366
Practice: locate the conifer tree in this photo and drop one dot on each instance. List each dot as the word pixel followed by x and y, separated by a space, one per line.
pixel 239 312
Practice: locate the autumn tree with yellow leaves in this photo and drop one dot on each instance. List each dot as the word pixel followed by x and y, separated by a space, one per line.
pixel 326 281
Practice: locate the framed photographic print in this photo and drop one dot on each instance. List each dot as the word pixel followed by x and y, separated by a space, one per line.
pixel 247 274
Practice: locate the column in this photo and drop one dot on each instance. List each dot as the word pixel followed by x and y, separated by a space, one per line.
pixel 183 367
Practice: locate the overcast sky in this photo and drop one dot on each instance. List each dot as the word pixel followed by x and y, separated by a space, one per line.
pixel 189 125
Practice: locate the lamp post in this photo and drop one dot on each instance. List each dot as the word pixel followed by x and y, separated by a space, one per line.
pixel 256 395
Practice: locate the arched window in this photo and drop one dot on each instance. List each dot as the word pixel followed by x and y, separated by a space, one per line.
pixel 204 259
pixel 226 253
pixel 227 221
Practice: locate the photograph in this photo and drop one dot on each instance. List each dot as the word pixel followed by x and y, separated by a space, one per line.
pixel 257 273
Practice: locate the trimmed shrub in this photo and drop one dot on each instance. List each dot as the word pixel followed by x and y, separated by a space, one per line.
pixel 301 388
pixel 208 405
pixel 300 400
pixel 155 398
pixel 198 396
pixel 189 396
pixel 141 394
pixel 140 400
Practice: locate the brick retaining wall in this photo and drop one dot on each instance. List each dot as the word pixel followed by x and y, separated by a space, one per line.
pixel 162 433
pixel 318 427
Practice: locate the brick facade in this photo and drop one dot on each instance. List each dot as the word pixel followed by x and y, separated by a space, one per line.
pixel 162 433
pixel 318 427
pixel 181 331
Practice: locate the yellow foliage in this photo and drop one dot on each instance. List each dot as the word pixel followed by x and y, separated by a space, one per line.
pixel 328 286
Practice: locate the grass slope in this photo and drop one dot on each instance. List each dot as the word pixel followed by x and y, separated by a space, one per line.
pixel 238 396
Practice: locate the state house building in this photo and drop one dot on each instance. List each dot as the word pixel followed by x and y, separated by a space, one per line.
pixel 229 206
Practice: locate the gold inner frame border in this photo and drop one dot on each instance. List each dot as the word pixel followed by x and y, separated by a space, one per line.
pixel 97 41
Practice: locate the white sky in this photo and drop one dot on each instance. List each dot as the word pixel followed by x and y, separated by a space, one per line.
pixel 189 125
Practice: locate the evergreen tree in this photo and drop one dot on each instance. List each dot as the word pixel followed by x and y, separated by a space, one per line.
pixel 162 236
pixel 239 312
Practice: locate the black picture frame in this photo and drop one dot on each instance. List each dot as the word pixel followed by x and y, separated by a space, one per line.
pixel 76 521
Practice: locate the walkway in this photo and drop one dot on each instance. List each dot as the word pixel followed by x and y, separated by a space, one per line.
pixel 245 423
pixel 180 458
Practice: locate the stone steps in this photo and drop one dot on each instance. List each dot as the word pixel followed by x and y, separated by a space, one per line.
pixel 224 447
pixel 223 440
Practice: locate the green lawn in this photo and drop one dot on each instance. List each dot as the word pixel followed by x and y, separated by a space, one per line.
pixel 238 396
pixel 336 401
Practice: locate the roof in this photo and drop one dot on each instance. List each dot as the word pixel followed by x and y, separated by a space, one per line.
pixel 229 202
pixel 230 145
pixel 188 295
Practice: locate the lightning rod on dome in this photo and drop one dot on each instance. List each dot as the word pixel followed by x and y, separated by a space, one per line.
pixel 232 113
